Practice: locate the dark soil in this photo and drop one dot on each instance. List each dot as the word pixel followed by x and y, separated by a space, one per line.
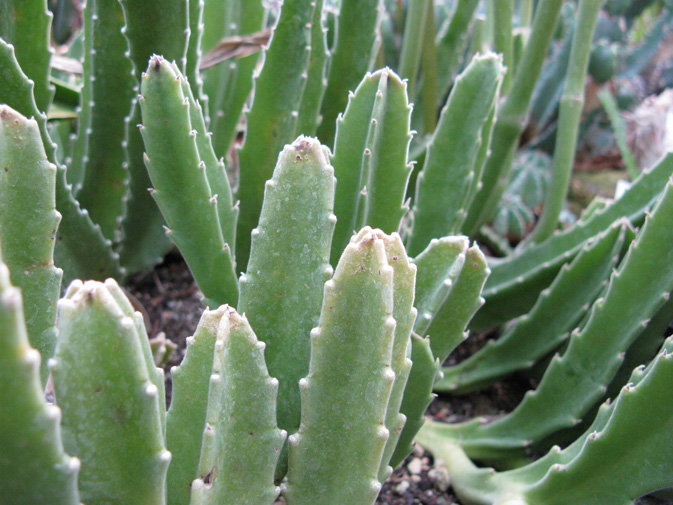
pixel 171 301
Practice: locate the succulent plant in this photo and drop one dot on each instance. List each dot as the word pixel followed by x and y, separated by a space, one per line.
pixel 221 430
pixel 525 193
pixel 564 396
pixel 313 301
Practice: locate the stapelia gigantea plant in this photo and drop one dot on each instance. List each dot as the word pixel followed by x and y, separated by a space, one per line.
pixel 281 292
pixel 221 436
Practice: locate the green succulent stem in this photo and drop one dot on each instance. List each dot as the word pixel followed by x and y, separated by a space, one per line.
pixel 228 84
pixel 611 108
pixel 353 53
pixel 111 421
pixel 635 292
pixel 144 243
pixel 412 43
pixel 430 84
pixel 28 224
pixel 282 297
pixel 241 441
pixel 33 464
pixel 97 260
pixel 186 417
pixel 451 42
pixel 417 395
pixel 26 24
pixel 453 153
pixel 554 315
pixel 181 185
pixel 516 281
pixel 98 169
pixel 525 12
pixel 503 21
pixel 512 115
pixel 309 111
pixel 640 414
pixel 350 371
pixel 370 158
pixel 572 103
pixel 272 119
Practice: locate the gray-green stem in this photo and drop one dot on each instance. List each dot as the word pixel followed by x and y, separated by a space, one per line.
pixel 512 115
pixel 570 114
pixel 503 15
pixel 412 43
pixel 430 85
pixel 525 12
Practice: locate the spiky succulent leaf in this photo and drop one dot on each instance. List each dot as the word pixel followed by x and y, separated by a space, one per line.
pixel 515 283
pixel 241 441
pixel 97 260
pixel 229 83
pixel 404 283
pixel 442 188
pixel 309 110
pixel 98 168
pixel 451 42
pixel 111 421
pixel 26 24
pixel 370 158
pixel 439 266
pixel 353 53
pixel 417 395
pixel 28 223
pixel 156 374
pixel 215 170
pixel 33 465
pixel 186 418
pixel 636 290
pixel 282 298
pixel 350 368
pixel 193 53
pixel 511 117
pixel 547 325
pixel 644 348
pixel 272 120
pixel 181 187
pixel 641 414
pixel 448 327
pixel 151 27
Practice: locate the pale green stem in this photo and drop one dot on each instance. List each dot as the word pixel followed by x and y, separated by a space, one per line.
pixel 570 114
pixel 412 44
pixel 525 13
pixel 612 110
pixel 452 40
pixel 430 85
pixel 503 24
pixel 512 115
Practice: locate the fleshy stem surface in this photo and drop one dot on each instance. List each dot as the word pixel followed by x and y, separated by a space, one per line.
pixel 354 49
pixel 512 115
pixel 572 103
pixel 33 465
pixel 503 21
pixel 181 187
pixel 112 421
pixel 28 224
pixel 272 120
pixel 282 290
pixel 26 24
pixel 335 456
pixel 412 42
